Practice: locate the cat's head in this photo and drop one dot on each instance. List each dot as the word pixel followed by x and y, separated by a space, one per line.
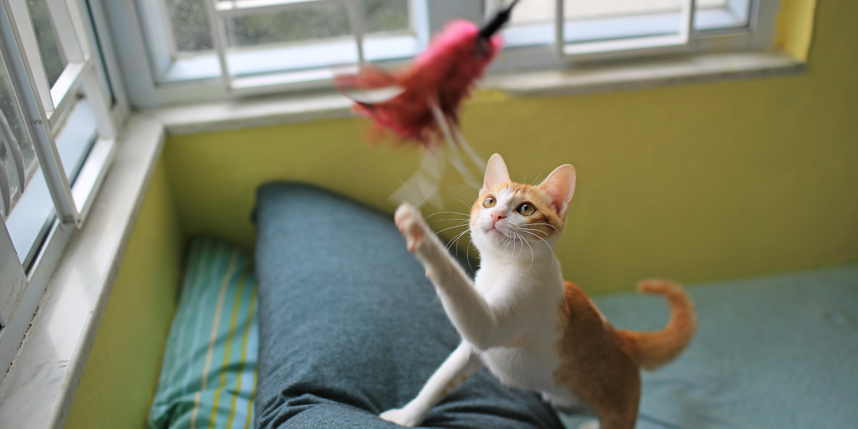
pixel 520 220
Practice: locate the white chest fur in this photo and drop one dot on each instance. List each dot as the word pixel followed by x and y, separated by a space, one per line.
pixel 534 293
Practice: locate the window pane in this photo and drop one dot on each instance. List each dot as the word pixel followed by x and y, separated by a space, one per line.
pixel 47 39
pixel 385 15
pixel 533 11
pixel 11 113
pixel 311 23
pixel 191 30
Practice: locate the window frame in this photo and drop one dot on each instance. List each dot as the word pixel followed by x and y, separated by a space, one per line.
pixel 68 134
pixel 181 79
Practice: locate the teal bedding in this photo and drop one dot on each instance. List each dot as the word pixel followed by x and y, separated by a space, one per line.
pixel 775 352
pixel 208 374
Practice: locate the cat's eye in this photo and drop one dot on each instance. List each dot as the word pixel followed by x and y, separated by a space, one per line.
pixel 489 202
pixel 526 209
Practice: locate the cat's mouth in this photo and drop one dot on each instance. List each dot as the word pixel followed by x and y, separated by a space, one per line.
pixel 494 232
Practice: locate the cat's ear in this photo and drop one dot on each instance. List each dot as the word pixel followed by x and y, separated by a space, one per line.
pixel 560 185
pixel 496 173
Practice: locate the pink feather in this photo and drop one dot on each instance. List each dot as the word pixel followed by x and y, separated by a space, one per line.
pixel 443 74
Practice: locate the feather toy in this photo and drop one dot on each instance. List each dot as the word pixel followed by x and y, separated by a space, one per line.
pixel 423 99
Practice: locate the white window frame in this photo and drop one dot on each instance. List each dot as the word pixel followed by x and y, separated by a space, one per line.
pixel 74 141
pixel 742 26
pixel 159 76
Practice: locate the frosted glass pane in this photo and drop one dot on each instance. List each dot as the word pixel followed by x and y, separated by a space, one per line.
pixel 46 38
pixel 12 114
pixel 293 25
pixel 192 32
pixel 190 23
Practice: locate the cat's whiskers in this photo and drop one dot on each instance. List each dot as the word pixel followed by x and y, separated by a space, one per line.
pixel 532 230
pixel 464 215
pixel 466 204
pixel 537 177
pixel 546 224
pixel 507 243
pixel 532 256
pixel 451 227
pixel 546 243
pixel 456 239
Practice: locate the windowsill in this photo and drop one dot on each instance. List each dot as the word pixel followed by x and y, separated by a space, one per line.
pixel 39 388
pixel 252 112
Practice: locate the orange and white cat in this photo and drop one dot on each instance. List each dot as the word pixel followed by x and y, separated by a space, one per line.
pixel 521 320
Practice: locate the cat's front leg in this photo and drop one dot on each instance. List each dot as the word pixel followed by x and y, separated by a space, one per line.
pixel 459 366
pixel 469 312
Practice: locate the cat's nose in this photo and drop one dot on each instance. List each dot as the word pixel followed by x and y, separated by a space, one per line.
pixel 496 217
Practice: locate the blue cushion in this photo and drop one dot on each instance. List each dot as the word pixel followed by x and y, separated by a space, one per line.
pixel 350 327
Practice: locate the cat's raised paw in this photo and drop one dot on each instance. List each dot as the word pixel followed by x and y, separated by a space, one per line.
pixel 410 223
pixel 400 417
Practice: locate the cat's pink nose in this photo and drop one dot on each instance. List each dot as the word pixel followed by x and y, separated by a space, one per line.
pixel 496 217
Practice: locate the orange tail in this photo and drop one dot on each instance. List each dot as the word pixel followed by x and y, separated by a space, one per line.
pixel 653 349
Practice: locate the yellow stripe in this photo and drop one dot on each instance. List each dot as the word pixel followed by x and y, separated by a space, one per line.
pixel 250 402
pixel 236 306
pixel 196 408
pixel 213 335
pixel 244 341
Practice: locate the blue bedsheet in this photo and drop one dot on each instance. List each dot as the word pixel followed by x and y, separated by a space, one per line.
pixel 776 352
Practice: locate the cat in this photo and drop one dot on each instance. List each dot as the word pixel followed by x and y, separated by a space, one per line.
pixel 521 320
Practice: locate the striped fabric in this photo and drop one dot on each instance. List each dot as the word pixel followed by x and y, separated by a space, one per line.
pixel 208 375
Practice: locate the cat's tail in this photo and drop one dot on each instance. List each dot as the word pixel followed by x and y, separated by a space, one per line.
pixel 653 349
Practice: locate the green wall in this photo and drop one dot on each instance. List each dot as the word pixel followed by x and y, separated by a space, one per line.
pixel 123 367
pixel 694 182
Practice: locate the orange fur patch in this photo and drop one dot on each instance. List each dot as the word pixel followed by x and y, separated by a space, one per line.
pixel 601 365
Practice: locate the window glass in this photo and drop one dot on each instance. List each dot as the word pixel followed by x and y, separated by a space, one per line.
pixel 190 23
pixel 46 37
pixel 385 15
pixel 12 115
pixel 315 22
pixel 538 11
pixel 192 32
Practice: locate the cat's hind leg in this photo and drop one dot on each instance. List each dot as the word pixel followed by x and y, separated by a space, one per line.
pixel 461 364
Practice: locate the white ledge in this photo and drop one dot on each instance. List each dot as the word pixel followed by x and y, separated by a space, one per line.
pixel 250 112
pixel 38 390
pixel 641 73
pixel 645 73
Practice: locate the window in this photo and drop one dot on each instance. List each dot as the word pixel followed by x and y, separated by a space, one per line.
pixel 58 121
pixel 202 50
